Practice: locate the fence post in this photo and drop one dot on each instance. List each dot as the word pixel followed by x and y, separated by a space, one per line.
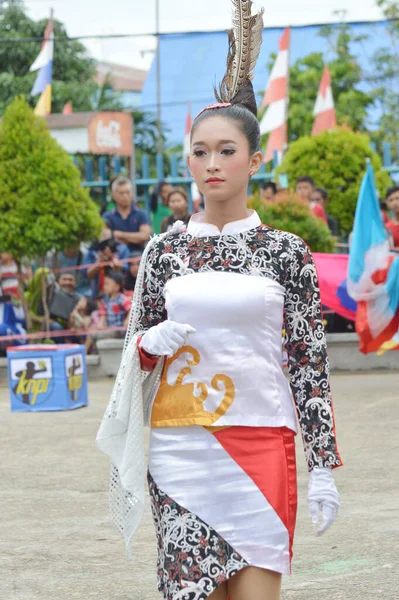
pixel 160 173
pixel 145 174
pixel 387 154
pixel 117 165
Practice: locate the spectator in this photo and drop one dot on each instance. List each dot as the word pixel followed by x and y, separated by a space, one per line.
pixel 268 192
pixel 129 224
pixel 115 307
pixel 85 316
pixel 159 205
pixel 178 204
pixel 106 250
pixel 9 276
pixel 131 276
pixel 304 187
pixel 320 198
pixel 392 199
pixel 73 257
pixel 62 302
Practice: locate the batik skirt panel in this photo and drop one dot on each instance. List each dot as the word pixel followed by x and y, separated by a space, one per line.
pixel 222 500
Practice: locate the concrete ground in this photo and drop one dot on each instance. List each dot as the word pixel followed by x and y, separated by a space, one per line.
pixel 57 543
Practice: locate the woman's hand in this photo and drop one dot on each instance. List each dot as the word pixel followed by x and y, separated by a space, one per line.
pixel 166 338
pixel 323 498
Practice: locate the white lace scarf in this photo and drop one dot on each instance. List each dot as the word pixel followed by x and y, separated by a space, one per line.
pixel 121 433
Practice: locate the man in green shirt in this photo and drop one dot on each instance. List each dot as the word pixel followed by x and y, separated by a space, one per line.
pixel 159 205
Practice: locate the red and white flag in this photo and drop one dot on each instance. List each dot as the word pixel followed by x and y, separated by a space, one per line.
pixel 189 124
pixel 274 121
pixel 324 110
pixel 68 109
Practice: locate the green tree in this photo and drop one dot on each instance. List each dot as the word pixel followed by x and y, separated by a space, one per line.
pixel 42 203
pixel 289 213
pixel 351 104
pixel 384 78
pixel 336 160
pixel 73 69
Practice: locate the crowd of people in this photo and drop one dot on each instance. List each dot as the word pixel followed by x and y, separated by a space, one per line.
pixel 90 288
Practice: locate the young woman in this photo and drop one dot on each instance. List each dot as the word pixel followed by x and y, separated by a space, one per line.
pixel 206 326
pixel 178 204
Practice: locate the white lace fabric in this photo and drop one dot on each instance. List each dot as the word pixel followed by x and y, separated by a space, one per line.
pixel 121 433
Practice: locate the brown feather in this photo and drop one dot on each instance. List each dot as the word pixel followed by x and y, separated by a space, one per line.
pixel 245 39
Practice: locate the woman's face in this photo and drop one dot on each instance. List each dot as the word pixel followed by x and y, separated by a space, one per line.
pixel 177 203
pixel 220 160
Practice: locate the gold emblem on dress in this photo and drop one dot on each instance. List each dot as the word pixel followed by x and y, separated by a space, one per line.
pixel 178 404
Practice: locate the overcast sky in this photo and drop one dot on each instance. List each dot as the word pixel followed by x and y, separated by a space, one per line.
pixel 88 17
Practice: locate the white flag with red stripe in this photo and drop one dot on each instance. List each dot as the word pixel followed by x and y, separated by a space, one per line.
pixel 274 121
pixel 187 133
pixel 324 110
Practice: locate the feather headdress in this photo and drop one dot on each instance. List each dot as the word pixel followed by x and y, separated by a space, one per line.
pixel 245 39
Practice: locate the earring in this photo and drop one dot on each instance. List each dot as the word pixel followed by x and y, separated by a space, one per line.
pixel 251 173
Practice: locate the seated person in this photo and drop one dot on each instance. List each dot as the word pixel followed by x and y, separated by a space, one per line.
pixel 392 200
pixel 320 198
pixel 72 256
pixel 178 204
pixel 106 250
pixel 268 192
pixel 115 306
pixel 85 316
pixel 131 275
pixel 62 301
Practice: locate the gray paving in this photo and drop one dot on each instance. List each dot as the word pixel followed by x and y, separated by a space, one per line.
pixel 57 543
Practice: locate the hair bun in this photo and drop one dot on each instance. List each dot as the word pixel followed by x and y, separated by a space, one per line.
pixel 246 98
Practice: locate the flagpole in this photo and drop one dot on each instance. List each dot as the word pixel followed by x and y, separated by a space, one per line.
pixel 158 76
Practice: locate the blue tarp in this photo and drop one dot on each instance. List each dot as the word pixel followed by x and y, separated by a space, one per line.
pixel 192 62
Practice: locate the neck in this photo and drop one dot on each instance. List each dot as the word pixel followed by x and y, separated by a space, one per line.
pixel 396 219
pixel 225 212
pixel 125 210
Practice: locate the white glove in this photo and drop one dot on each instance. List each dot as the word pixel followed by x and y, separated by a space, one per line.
pixel 323 498
pixel 166 338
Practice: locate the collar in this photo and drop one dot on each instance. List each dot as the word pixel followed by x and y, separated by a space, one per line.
pixel 133 209
pixel 197 227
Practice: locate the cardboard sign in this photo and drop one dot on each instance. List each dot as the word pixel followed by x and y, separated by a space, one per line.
pixel 46 378
pixel 111 133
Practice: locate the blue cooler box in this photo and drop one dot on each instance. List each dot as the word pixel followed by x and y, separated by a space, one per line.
pixel 43 378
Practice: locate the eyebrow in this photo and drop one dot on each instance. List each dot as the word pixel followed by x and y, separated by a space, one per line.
pixel 220 142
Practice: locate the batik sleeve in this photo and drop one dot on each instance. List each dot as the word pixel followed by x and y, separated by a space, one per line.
pixel 151 309
pixel 307 358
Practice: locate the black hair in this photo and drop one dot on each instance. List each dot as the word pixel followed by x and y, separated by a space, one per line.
pixel 305 179
pixel 155 195
pixel 91 306
pixel 269 184
pixel 323 193
pixel 243 110
pixel 61 273
pixel 391 190
pixel 116 276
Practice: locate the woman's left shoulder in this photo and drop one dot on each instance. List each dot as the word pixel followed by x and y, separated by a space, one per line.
pixel 289 242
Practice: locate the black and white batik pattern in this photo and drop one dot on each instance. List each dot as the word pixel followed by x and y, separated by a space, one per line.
pixel 282 257
pixel 193 559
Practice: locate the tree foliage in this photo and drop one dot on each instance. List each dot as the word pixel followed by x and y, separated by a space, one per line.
pixel 336 160
pixel 384 78
pixel 73 69
pixel 42 203
pixel 290 213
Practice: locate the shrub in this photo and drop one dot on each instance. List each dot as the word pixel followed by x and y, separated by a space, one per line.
pixel 290 213
pixel 337 161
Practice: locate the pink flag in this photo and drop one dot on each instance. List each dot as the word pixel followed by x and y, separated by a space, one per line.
pixel 324 110
pixel 274 121
pixel 189 123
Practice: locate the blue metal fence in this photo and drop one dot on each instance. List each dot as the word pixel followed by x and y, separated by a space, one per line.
pixel 98 172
